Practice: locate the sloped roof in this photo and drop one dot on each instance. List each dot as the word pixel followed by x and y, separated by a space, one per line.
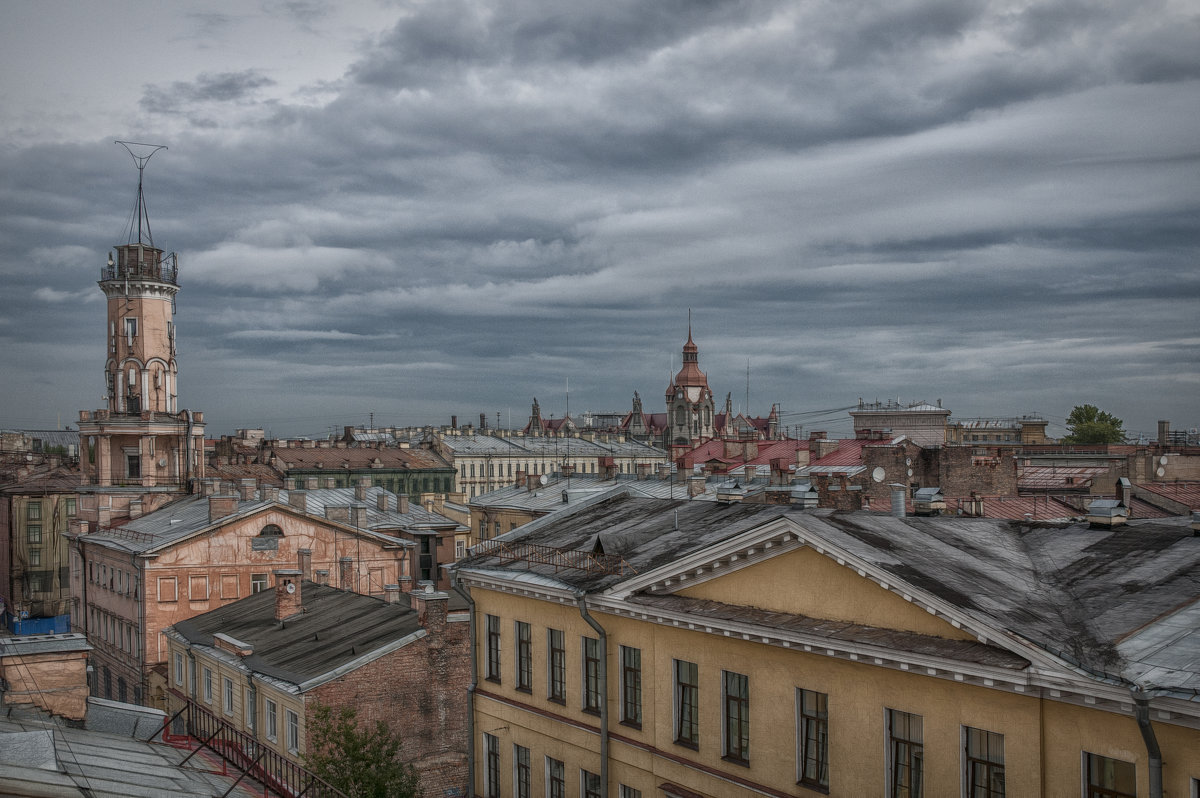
pixel 335 627
pixel 359 457
pixel 1076 592
pixel 1183 492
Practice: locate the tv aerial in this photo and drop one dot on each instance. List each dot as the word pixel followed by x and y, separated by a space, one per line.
pixel 141 154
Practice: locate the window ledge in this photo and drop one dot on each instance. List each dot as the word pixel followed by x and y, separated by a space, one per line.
pixel 736 760
pixel 813 786
pixel 524 689
pixel 688 744
pixel 557 700
pixel 632 724
pixel 592 710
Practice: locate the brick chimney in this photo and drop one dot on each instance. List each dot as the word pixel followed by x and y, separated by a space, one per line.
pixel 135 508
pixel 402 503
pixel 298 499
pixel 360 490
pixel 221 506
pixel 431 606
pixel 270 493
pixel 521 477
pixel 246 488
pixel 310 483
pixel 391 594
pixel 322 576
pixel 695 486
pixel 358 515
pixel 287 592
pixel 338 512
pixel 382 502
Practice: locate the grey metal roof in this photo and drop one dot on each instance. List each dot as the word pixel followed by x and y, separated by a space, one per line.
pixel 186 516
pixel 43 756
pixel 335 627
pixel 1095 598
pixel 538 446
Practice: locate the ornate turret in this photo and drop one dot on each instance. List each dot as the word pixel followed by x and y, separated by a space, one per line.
pixel 689 401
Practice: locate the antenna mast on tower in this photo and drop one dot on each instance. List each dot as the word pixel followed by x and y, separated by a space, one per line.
pixel 143 215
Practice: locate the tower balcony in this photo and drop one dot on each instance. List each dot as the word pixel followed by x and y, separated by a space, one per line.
pixel 141 262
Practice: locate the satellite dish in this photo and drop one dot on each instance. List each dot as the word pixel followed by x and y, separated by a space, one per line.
pixel 543 480
pixel 908 462
pixel 1163 461
pixel 291 588
pixel 910 472
pixel 878 474
pixel 162 462
pixel 1162 472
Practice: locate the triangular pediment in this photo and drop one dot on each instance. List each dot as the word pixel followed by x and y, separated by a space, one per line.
pixel 802 581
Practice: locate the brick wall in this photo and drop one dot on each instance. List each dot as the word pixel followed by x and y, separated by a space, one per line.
pixel 420 691
pixel 988 471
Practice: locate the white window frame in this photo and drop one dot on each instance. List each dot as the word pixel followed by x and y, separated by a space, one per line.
pixel 271 712
pixel 208 685
pixel 227 694
pixel 179 668
pixel 293 731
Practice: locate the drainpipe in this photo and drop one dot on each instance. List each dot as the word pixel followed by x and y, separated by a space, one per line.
pixel 457 586
pixel 581 600
pixel 1141 710
pixel 187 448
pixel 251 712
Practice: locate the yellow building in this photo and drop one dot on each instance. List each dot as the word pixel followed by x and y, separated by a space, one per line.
pixel 651 648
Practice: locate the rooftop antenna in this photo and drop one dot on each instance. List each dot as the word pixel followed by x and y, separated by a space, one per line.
pixel 141 157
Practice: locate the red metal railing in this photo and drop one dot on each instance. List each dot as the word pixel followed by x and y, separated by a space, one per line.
pixel 278 774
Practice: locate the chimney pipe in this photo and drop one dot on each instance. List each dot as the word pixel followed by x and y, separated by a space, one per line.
pixel 287 593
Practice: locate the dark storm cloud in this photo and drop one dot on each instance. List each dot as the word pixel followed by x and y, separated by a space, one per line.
pixel 223 87
pixel 991 203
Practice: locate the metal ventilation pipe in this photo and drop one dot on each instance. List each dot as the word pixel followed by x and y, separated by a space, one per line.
pixel 898 494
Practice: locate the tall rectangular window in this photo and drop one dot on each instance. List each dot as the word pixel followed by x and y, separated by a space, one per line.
pixel 227 691
pixel 812 735
pixel 491 766
pixel 258 583
pixel 178 668
pixel 631 686
pixel 736 689
pixel 293 732
pixel 985 764
pixel 520 771
pixel 906 755
pixel 591 675
pixel 556 778
pixel 208 686
pixel 589 784
pixel 628 792
pixel 524 658
pixel 1110 778
pixel 493 648
pixel 272 720
pixel 33 511
pixel 687 704
pixel 33 534
pixel 557 665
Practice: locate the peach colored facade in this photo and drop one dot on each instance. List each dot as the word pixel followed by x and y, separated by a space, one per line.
pixel 126 598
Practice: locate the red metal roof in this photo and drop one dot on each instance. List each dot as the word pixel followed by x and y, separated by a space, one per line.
pixel 1184 492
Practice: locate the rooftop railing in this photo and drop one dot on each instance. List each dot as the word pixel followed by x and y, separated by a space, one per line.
pixel 586 561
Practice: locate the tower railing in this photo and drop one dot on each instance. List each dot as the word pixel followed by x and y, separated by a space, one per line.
pixel 165 270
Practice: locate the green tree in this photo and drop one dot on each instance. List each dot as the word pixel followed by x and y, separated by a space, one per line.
pixel 1090 424
pixel 361 763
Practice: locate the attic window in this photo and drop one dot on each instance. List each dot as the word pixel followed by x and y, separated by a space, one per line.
pixel 267 540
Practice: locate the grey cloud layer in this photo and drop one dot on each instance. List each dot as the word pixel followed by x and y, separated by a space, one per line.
pixel 918 199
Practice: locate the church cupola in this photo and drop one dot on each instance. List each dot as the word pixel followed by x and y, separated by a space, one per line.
pixel 689 401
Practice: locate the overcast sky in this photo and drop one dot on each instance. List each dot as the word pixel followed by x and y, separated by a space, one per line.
pixel 418 209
